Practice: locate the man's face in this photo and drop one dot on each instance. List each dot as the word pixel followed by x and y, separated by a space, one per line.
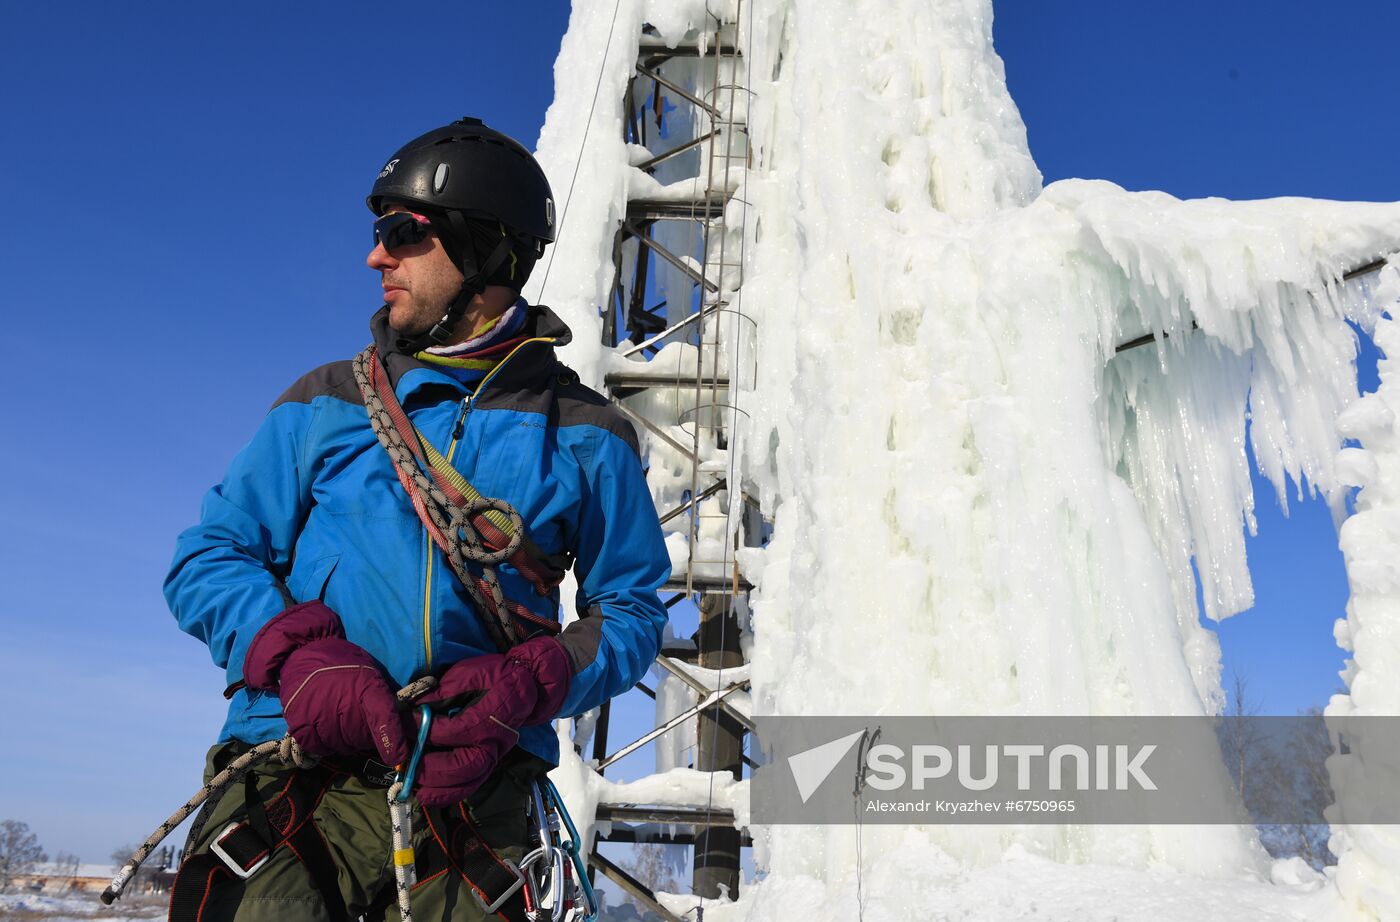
pixel 419 281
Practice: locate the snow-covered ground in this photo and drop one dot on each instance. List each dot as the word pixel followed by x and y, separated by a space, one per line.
pixel 967 483
pixel 79 908
pixel 1023 887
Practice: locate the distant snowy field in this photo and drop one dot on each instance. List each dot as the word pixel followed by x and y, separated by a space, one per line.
pixel 40 906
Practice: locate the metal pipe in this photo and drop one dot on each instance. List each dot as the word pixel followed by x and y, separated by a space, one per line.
pixel 665 663
pixel 664 815
pixel 654 429
pixel 705 494
pixel 630 884
pixel 686 321
pixel 679 91
pixel 640 381
pixel 646 166
pixel 1349 275
pixel 670 257
pixel 1144 340
pixel 1359 271
pixel 714 698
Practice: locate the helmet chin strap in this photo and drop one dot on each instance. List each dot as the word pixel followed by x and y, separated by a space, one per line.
pixel 473 282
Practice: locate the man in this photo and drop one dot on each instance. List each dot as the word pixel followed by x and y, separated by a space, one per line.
pixel 411 514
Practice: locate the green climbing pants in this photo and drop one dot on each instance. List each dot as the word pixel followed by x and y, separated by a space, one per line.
pixel 353 819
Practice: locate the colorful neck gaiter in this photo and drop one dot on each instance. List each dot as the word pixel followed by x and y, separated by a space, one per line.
pixel 473 360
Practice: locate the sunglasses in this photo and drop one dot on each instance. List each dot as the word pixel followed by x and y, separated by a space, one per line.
pixel 400 229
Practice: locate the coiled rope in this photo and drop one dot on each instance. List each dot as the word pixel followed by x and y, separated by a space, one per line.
pixel 286 750
pixel 449 523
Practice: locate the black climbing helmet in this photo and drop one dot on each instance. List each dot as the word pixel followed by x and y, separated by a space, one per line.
pixel 484 193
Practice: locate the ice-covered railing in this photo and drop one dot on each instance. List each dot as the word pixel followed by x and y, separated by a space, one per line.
pixel 669 409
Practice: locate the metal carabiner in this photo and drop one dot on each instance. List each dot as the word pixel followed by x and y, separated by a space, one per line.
pixel 407 776
pixel 590 899
pixel 560 891
pixel 552 903
pixel 543 827
pixel 556 883
pixel 532 884
pixel 560 896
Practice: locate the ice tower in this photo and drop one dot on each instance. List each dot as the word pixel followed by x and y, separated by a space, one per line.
pixel 905 462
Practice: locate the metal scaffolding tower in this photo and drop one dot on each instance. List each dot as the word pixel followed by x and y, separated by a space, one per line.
pixel 676 311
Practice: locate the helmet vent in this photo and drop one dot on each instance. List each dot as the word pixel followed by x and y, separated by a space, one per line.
pixel 440 178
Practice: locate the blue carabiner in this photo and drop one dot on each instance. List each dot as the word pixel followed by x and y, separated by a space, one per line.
pixel 406 777
pixel 580 869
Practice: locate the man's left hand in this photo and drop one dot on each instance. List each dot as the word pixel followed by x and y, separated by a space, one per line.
pixel 522 687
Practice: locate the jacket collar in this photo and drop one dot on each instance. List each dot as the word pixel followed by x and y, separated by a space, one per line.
pixel 534 360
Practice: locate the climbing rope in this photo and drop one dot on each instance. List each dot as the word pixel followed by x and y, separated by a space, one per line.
pixel 286 750
pixel 582 145
pixel 401 819
pixel 401 828
pixel 449 523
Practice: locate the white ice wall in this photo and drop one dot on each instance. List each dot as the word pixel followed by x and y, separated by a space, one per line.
pixel 1370 854
pixel 966 485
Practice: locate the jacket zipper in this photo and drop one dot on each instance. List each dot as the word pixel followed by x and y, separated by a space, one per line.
pixel 428 547
pixel 457 431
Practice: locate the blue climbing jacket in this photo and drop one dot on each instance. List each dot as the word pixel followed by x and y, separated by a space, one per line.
pixel 312 508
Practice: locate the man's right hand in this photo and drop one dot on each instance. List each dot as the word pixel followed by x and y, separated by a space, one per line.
pixel 335 696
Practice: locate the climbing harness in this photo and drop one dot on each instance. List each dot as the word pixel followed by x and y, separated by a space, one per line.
pixel 469 528
pixel 549 884
pixel 239 852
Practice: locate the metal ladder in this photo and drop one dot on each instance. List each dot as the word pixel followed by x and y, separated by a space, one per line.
pixel 688 409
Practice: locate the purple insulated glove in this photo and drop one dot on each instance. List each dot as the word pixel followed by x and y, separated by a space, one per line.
pixel 334 695
pixel 522 687
pixel 449 776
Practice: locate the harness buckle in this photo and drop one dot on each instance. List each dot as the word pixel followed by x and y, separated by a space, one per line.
pixel 505 894
pixel 216 848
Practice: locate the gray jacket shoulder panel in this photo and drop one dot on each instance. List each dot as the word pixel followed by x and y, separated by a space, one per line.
pixel 334 379
pixel 565 401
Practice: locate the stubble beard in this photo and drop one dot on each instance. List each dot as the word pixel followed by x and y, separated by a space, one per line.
pixel 410 318
pixel 423 303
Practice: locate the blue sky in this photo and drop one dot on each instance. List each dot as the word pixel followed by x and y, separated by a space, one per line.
pixel 187 183
pixel 1238 100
